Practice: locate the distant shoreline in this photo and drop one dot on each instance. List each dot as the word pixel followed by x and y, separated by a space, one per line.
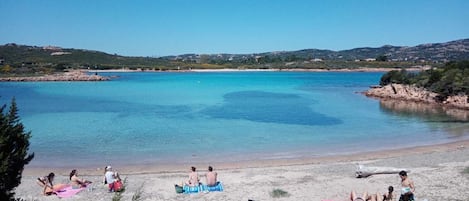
pixel 265 70
pixel 72 76
pixel 93 75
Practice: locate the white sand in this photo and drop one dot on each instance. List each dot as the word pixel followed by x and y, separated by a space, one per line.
pixel 436 170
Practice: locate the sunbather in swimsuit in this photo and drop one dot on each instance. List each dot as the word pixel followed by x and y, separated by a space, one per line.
pixel 48 187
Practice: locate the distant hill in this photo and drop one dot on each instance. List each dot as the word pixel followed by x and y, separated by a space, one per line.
pixel 434 52
pixel 22 55
pixel 32 59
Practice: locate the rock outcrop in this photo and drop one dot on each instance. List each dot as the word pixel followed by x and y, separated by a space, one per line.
pixel 68 76
pixel 416 94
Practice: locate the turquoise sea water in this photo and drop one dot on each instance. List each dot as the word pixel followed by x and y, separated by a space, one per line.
pixel 179 118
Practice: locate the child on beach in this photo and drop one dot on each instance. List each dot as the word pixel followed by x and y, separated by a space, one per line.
pixel 390 195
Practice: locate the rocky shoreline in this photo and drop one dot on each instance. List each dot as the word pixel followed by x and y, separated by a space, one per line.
pixel 67 76
pixel 416 94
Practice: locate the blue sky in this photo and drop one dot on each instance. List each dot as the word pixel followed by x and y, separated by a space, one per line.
pixel 170 27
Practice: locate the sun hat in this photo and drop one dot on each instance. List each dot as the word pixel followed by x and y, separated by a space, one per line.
pixel 108 167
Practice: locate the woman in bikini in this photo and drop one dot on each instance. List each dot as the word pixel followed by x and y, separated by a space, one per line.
pixel 48 187
pixel 76 181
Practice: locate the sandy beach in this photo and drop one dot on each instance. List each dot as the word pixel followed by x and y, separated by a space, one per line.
pixel 437 170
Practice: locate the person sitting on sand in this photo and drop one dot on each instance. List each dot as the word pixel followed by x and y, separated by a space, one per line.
pixel 48 187
pixel 76 181
pixel 193 178
pixel 110 177
pixel 211 177
pixel 408 188
pixel 390 195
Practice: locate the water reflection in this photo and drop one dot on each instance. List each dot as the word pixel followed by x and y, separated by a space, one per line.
pixel 454 122
pixel 426 111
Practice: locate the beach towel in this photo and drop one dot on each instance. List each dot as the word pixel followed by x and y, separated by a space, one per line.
pixel 191 189
pixel 68 192
pixel 218 187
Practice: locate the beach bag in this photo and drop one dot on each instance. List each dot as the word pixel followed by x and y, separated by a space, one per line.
pixel 178 188
pixel 116 186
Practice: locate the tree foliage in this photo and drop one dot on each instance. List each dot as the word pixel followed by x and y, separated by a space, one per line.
pixel 14 146
pixel 382 58
pixel 397 77
pixel 452 79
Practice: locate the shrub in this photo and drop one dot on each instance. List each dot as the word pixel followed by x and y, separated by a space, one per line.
pixel 452 79
pixel 14 146
pixel 138 194
pixel 466 170
pixel 277 193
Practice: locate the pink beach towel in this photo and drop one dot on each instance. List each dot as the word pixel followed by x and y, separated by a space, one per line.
pixel 68 192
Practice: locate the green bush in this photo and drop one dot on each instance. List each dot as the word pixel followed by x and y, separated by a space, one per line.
pixel 452 79
pixel 466 170
pixel 14 144
pixel 277 193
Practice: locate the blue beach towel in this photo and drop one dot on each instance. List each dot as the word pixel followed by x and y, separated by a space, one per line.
pixel 218 187
pixel 202 188
pixel 191 189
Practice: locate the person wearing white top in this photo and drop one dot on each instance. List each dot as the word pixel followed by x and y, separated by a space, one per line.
pixel 110 177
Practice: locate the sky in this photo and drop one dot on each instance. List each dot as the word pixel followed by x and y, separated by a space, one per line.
pixel 174 27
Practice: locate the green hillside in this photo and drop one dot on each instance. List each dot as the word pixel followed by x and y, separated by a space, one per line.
pixel 21 59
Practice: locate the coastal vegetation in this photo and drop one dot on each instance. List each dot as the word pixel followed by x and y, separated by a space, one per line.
pixel 14 143
pixel 21 60
pixel 450 80
pixel 138 193
pixel 278 193
pixel 466 170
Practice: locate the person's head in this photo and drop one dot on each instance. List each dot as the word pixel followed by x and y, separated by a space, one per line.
pixel 390 189
pixel 210 168
pixel 403 174
pixel 193 169
pixel 51 176
pixel 72 173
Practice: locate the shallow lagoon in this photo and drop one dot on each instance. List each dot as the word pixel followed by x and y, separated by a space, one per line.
pixel 179 118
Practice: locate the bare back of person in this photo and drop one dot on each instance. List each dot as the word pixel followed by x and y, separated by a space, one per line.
pixel 193 179
pixel 211 178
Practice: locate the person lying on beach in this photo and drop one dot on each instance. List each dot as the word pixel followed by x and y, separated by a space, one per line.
pixel 389 196
pixel 193 178
pixel 48 187
pixel 211 177
pixel 111 177
pixel 76 182
pixel 408 188
pixel 354 197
